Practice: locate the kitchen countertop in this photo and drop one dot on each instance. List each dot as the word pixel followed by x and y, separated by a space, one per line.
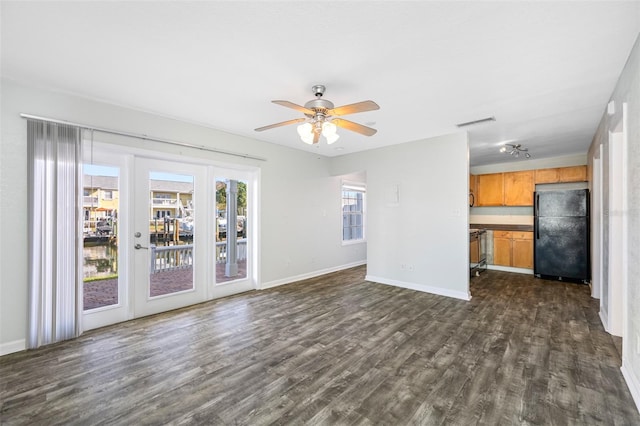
pixel 501 227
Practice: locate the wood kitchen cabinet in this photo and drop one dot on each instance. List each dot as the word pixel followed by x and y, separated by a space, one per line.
pixel 502 248
pixel 513 248
pixel 522 250
pixel 573 174
pixel 472 184
pixel 518 188
pixel 547 176
pixel 490 189
pixel 473 191
pixel 561 174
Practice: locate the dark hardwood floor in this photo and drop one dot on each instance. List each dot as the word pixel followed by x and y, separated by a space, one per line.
pixel 337 350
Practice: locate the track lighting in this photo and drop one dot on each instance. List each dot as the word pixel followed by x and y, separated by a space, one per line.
pixel 515 150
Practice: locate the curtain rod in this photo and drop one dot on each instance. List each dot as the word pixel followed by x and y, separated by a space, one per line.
pixel 140 136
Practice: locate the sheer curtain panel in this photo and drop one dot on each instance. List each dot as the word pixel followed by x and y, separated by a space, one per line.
pixel 55 284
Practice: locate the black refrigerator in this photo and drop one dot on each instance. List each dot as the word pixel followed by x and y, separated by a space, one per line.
pixel 561 235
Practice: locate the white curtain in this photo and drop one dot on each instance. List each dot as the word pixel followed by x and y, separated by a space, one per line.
pixel 55 210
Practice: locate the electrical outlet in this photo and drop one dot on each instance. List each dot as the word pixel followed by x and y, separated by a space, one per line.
pixel 403 266
pixel 410 267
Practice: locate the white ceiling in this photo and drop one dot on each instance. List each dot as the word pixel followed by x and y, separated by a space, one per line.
pixel 544 70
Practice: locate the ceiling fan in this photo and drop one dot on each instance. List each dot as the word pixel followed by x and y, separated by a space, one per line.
pixel 322 118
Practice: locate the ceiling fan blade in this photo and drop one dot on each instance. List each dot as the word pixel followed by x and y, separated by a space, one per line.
pixel 353 108
pixel 316 137
pixel 354 127
pixel 295 106
pixel 284 123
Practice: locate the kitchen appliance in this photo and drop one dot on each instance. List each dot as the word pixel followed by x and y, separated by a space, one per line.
pixel 561 235
pixel 477 251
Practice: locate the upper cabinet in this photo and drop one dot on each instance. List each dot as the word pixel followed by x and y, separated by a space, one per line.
pixel 561 174
pixel 473 190
pixel 547 176
pixel 518 188
pixel 490 190
pixel 573 174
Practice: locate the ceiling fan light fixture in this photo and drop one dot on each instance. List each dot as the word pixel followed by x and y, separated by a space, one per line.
pixel 319 114
pixel 305 131
pixel 332 138
pixel 328 129
pixel 329 132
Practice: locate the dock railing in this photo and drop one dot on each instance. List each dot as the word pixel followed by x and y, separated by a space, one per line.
pixel 221 250
pixel 171 258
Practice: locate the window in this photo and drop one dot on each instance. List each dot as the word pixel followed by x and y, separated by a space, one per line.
pixel 353 209
pixel 107 195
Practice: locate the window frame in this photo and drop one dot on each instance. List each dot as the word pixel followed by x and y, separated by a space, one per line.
pixel 353 187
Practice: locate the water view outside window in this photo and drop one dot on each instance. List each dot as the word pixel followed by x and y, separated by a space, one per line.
pixel 100 236
pixel 171 230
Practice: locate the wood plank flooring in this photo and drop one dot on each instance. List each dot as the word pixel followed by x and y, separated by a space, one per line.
pixel 337 350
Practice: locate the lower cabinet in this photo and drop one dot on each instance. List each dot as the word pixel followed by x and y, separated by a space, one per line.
pixel 513 248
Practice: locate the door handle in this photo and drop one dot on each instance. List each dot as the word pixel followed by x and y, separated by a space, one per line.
pixel 138 246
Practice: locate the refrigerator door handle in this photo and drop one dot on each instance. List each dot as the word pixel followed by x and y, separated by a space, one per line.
pixel 537 227
pixel 537 210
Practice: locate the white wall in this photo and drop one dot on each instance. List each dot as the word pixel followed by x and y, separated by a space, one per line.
pixel 300 200
pixel 426 230
pixel 627 91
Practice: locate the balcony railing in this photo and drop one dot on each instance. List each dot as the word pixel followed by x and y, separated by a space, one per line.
pixel 89 201
pixel 164 202
pixel 171 258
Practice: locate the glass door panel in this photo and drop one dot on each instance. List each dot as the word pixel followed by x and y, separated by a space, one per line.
pixel 169 268
pixel 100 206
pixel 231 230
pixel 171 229
pixel 105 223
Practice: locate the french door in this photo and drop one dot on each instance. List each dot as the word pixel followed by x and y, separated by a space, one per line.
pixel 169 235
pixel 157 235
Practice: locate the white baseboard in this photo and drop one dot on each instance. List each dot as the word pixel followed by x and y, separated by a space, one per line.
pixel 632 383
pixel 308 275
pixel 421 287
pixel 11 347
pixel 603 319
pixel 510 269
